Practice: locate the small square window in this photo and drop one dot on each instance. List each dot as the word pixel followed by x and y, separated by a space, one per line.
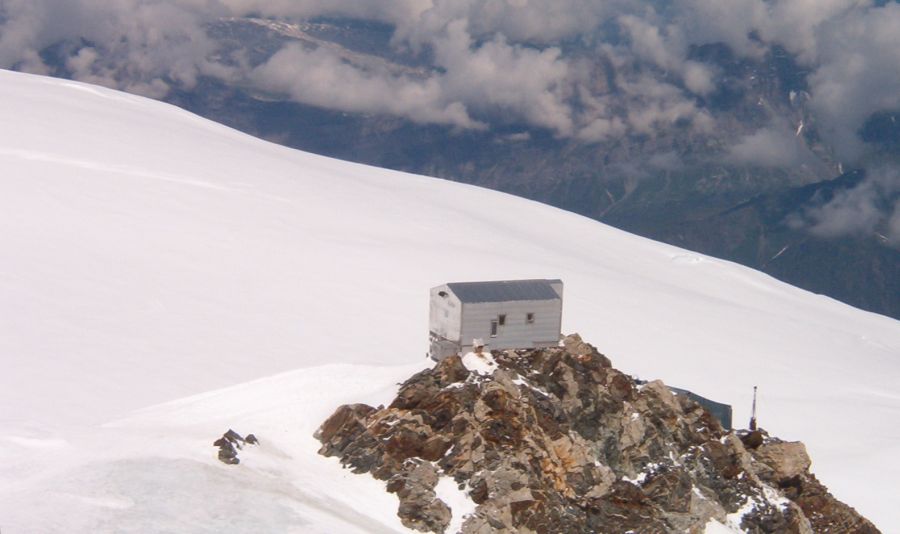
pixel 529 318
pixel 501 319
pixel 493 328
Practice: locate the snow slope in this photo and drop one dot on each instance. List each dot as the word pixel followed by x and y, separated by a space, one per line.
pixel 164 278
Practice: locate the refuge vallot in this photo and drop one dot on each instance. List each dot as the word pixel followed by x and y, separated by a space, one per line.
pixel 507 314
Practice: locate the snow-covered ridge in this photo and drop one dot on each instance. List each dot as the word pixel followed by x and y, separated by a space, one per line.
pixel 148 255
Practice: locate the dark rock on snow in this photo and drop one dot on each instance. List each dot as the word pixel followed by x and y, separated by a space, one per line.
pixel 229 445
pixel 556 440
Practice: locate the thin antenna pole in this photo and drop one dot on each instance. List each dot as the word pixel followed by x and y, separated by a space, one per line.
pixel 753 415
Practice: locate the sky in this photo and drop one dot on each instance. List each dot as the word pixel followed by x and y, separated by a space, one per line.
pixel 509 60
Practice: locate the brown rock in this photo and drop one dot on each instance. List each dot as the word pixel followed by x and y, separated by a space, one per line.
pixel 787 459
pixel 753 439
pixel 346 420
pixel 452 370
pixel 544 443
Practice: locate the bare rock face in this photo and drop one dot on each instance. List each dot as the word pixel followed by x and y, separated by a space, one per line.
pixel 785 465
pixel 556 440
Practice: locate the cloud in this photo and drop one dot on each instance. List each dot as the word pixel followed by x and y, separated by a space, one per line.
pixel 388 11
pixel 535 22
pixel 893 226
pixel 698 78
pixel 535 62
pixel 801 26
pixel 652 105
pixel 860 62
pixel 496 77
pixel 667 49
pixel 134 45
pixel 772 146
pixel 870 206
pixel 666 161
pixel 321 78
pixel 851 212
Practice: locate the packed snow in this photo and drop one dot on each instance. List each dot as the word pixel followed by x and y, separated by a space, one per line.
pixel 715 527
pixel 164 278
pixel 483 364
pixel 461 506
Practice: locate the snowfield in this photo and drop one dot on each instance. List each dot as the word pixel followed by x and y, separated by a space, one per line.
pixel 164 278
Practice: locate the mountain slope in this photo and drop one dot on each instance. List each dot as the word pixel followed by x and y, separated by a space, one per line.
pixel 768 141
pixel 149 255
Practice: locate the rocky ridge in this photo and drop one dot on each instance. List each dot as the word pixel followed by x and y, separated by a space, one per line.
pixel 557 440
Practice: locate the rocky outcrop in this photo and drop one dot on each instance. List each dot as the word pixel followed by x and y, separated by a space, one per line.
pixel 556 440
pixel 229 445
pixel 785 465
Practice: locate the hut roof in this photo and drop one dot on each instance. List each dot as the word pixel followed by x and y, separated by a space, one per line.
pixel 504 290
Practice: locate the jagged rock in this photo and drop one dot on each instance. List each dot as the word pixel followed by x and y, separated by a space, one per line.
pixel 227 452
pixel 582 351
pixel 786 459
pixel 785 465
pixel 556 440
pixel 452 370
pixel 753 439
pixel 230 443
pixel 419 507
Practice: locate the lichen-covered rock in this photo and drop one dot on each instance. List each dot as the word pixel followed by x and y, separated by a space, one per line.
pixel 556 440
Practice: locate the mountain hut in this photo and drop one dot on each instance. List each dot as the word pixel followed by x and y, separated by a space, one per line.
pixel 506 314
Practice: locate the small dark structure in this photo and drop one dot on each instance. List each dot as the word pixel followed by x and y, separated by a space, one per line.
pixel 720 411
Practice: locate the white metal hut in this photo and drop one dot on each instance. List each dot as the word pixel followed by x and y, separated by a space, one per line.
pixel 507 314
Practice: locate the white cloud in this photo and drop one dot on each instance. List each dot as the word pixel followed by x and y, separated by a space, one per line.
pixel 495 58
pixel 389 11
pixel 893 226
pixel 851 212
pixel 495 77
pixel 859 75
pixel 138 44
pixel 859 210
pixel 667 161
pixel 773 146
pixel 723 21
pixel 698 78
pixel 539 22
pixel 650 44
pixel 321 78
pixel 796 24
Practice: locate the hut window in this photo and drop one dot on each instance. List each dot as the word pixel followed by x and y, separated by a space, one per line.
pixel 442 294
pixel 529 317
pixel 493 328
pixel 501 319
